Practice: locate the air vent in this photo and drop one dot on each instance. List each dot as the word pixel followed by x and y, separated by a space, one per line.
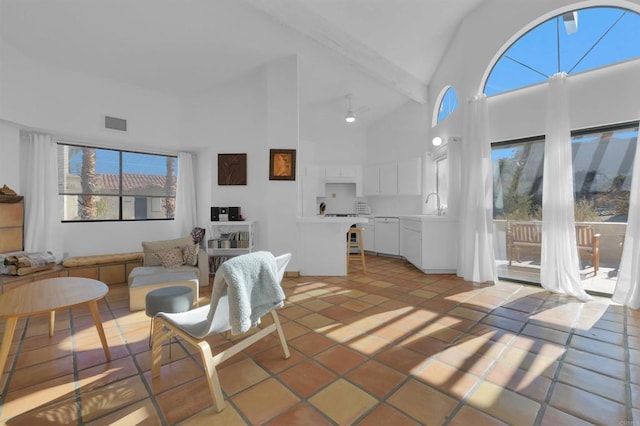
pixel 115 123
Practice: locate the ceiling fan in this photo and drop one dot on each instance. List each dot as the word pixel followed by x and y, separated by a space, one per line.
pixel 351 115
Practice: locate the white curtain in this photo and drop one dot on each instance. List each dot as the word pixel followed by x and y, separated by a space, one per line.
pixel 185 194
pixel 42 221
pixel 476 257
pixel 559 265
pixel 627 290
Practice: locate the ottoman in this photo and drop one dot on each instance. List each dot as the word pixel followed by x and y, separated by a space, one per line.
pixel 143 283
pixel 172 300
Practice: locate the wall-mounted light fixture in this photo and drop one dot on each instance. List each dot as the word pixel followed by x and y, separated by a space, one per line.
pixel 437 141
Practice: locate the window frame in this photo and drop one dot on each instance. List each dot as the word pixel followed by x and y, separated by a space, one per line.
pixel 120 193
pixel 531 26
pixel 440 99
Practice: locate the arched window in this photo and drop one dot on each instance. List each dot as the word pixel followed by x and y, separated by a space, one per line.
pixel 448 104
pixel 572 42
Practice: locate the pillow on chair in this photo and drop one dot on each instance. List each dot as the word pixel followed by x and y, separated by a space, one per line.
pixel 190 254
pixel 170 258
pixel 149 248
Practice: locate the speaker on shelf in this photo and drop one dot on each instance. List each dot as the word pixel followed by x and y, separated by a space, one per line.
pixel 223 214
pixel 234 213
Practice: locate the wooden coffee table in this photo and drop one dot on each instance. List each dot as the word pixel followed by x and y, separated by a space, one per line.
pixel 46 296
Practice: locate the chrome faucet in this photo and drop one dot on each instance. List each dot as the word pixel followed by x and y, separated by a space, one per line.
pixel 439 209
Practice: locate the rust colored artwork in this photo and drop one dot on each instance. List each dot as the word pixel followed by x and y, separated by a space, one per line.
pixel 282 164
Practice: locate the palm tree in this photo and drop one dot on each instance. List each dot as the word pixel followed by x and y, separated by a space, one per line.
pixel 89 182
pixel 170 188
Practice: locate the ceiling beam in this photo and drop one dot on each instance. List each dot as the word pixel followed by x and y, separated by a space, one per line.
pixel 298 17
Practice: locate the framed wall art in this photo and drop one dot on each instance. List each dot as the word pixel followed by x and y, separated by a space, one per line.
pixel 232 169
pixel 282 164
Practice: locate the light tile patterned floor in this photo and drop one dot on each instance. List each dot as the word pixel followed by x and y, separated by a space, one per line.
pixel 393 346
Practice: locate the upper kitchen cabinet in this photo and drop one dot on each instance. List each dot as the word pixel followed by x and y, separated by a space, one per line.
pixel 395 178
pixel 340 172
pixel 371 180
pixel 389 178
pixel 410 176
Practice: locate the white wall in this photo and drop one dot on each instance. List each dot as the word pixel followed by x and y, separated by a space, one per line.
pixel 72 104
pixel 10 156
pixel 401 135
pixel 251 115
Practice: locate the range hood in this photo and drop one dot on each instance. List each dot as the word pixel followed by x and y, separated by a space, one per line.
pixel 350 181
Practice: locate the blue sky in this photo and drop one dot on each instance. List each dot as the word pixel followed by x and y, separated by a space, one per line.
pixel 107 162
pixel 605 35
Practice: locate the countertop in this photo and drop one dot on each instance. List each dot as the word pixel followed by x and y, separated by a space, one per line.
pixel 325 219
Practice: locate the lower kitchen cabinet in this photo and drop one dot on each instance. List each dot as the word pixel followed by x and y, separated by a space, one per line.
pixel 430 243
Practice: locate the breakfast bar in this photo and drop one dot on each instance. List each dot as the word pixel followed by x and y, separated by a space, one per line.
pixel 323 244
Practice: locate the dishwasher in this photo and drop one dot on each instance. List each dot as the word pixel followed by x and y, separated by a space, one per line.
pixel 387 235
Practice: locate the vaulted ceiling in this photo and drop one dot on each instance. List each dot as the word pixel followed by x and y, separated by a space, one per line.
pixel 382 51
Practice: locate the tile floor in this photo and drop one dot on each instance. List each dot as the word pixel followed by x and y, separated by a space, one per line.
pixel 393 346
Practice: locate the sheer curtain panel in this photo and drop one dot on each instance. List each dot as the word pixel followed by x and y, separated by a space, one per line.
pixel 476 258
pixel 42 221
pixel 627 290
pixel 185 194
pixel 559 265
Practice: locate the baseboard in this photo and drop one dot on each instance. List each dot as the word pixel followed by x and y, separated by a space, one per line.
pixel 292 274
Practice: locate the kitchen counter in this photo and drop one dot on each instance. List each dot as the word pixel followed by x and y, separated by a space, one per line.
pixel 430 242
pixel 323 244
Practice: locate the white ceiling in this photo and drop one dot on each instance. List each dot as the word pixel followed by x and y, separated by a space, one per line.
pixel 382 51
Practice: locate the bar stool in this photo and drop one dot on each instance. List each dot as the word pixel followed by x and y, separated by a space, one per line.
pixel 354 240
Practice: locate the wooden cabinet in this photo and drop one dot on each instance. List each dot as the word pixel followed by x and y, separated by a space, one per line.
pixel 11 226
pixel 229 239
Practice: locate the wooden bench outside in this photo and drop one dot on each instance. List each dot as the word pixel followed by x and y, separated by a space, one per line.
pixel 528 236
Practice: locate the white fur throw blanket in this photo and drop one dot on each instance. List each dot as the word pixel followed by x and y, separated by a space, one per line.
pixel 251 284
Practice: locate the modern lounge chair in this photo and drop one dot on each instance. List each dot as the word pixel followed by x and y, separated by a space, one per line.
pixel 221 315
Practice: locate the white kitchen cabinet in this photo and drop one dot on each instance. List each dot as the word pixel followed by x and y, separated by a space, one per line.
pixel 410 176
pixel 368 235
pixel 371 180
pixel 393 178
pixel 341 171
pixel 341 174
pixel 389 178
pixel 387 235
pixel 411 241
pixel 437 236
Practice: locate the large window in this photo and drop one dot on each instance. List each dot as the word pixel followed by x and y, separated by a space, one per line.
pixel 573 42
pixel 602 163
pixel 98 184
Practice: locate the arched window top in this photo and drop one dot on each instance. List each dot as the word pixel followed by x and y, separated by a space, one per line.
pixel 448 104
pixel 571 42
